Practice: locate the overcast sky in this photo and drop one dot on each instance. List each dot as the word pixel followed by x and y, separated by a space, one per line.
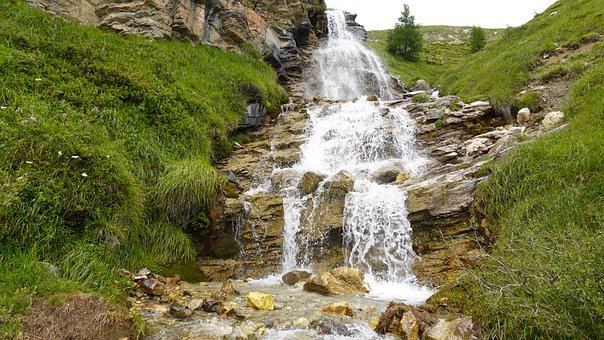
pixel 382 14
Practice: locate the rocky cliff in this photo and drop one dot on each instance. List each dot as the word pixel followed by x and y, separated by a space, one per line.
pixel 279 30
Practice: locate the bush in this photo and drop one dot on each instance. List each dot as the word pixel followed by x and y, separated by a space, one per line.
pixel 478 39
pixel 421 98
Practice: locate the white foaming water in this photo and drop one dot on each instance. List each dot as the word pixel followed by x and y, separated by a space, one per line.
pixel 361 137
pixel 345 67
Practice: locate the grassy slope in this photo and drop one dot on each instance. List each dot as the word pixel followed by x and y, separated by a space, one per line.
pixel 101 138
pixel 444 47
pixel 545 276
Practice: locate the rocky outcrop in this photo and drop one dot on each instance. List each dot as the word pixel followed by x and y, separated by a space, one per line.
pixel 357 29
pixel 338 281
pixel 414 323
pixel 279 30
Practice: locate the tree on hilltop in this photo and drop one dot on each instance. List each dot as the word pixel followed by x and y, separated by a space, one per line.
pixel 405 40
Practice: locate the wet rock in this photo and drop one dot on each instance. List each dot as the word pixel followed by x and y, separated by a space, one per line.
pixel 210 305
pixel 339 281
pixel 553 120
pixel 524 115
pixel 339 308
pixel 227 309
pixel 295 276
pixel 219 270
pixel 372 99
pixel 402 319
pixel 409 326
pixel 227 291
pixel 458 329
pixel 152 286
pixel 310 182
pixel 180 312
pixel 421 85
pixel 261 301
pixel 342 181
pixel 284 178
pixel 329 327
pixel 386 175
pixel 403 176
pixel 195 304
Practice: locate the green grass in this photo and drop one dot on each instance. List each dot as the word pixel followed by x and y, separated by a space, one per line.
pixel 106 146
pixel 545 276
pixel 444 47
pixel 508 64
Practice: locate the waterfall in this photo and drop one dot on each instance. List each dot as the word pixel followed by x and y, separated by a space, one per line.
pixel 345 67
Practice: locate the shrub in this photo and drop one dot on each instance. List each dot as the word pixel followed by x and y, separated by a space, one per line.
pixel 478 39
pixel 421 98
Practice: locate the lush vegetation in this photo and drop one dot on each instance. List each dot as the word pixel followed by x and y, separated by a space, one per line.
pixel 443 48
pixel 478 39
pixel 545 276
pixel 405 39
pixel 106 146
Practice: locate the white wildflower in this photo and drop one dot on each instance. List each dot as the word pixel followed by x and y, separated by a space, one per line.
pixel 84 174
pixel 75 157
pixel 60 153
pixel 3 107
pixel 38 79
pixel 29 162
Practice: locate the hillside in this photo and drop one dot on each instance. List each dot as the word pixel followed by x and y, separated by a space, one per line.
pixel 545 199
pixel 107 144
pixel 444 47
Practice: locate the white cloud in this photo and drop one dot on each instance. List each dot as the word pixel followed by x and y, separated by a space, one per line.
pixel 382 14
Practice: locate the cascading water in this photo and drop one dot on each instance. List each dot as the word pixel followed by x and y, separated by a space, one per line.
pixel 345 67
pixel 361 137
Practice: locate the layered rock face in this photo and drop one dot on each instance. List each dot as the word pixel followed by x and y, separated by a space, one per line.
pixel 279 29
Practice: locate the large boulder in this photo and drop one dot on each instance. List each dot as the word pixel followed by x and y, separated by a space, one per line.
pixel 404 320
pixel 339 281
pixel 421 85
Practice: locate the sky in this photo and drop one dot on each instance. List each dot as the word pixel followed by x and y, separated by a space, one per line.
pixel 382 14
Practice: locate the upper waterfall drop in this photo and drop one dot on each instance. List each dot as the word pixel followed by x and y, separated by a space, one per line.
pixel 345 67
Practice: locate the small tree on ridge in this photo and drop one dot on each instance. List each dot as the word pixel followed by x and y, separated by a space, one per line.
pixel 405 39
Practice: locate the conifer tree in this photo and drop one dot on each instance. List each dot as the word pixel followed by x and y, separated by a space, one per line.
pixel 405 40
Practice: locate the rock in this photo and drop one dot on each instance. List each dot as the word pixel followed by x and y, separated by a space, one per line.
pixel 409 326
pixel 553 120
pixel 283 178
pixel 373 99
pixel 227 309
pixel 421 85
pixel 342 181
pixel 310 182
pixel 152 286
pixel 386 175
pixel 227 291
pixel 329 326
pixel 219 270
pixel 477 146
pixel 295 276
pixel 260 301
pixel 339 308
pixel 458 329
pixel 210 305
pixel 339 281
pixel 141 275
pixel 302 322
pixel 195 304
pixel 404 320
pixel 524 115
pixel 180 312
pixel 403 176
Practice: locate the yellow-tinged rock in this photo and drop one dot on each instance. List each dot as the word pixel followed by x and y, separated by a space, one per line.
pixel 403 176
pixel 260 301
pixel 409 326
pixel 339 308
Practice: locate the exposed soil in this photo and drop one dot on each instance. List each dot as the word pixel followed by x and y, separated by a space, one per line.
pixel 80 316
